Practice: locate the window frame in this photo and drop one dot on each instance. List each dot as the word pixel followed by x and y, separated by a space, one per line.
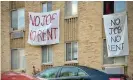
pixel 11 28
pixel 71 61
pixel 104 38
pixel 48 46
pixel 70 16
pixel 18 69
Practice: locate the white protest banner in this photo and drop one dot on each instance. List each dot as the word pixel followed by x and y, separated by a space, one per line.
pixel 44 28
pixel 115 26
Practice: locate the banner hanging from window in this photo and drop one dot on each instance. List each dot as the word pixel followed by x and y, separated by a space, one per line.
pixel 116 31
pixel 44 28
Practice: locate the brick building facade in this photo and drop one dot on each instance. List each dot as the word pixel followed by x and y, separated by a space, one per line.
pixel 81 29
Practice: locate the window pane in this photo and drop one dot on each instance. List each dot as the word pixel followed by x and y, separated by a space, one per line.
pixel 14 20
pixel 108 7
pixel 74 7
pixel 69 71
pixel 14 59
pixel 49 7
pixel 49 54
pixel 44 7
pixel 120 60
pixel 68 51
pixel 120 6
pixel 44 54
pixel 21 19
pixel 24 62
pixel 81 73
pixel 74 51
pixel 49 73
pixel 68 8
pixel 71 8
pixel 22 58
pixel 106 59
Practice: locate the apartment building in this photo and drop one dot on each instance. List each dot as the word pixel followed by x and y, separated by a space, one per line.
pixel 82 36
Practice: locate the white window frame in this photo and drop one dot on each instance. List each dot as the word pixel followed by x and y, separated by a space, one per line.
pixel 71 61
pixel 48 46
pixel 12 29
pixel 72 15
pixel 19 69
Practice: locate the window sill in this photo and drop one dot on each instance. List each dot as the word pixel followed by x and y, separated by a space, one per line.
pixel 47 63
pixel 73 16
pixel 112 65
pixel 71 62
pixel 18 70
pixel 23 30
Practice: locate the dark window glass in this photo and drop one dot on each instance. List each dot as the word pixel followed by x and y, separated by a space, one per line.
pixel 14 20
pixel 81 73
pixel 69 71
pixel 108 7
pixel 68 51
pixel 49 73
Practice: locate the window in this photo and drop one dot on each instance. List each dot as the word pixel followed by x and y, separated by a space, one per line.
pixel 49 73
pixel 81 73
pixel 71 8
pixel 18 19
pixel 18 59
pixel 114 6
pixel 47 54
pixel 112 60
pixel 69 71
pixel 46 7
pixel 71 51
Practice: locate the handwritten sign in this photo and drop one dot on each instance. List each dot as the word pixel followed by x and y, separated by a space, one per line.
pixel 44 28
pixel 116 34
